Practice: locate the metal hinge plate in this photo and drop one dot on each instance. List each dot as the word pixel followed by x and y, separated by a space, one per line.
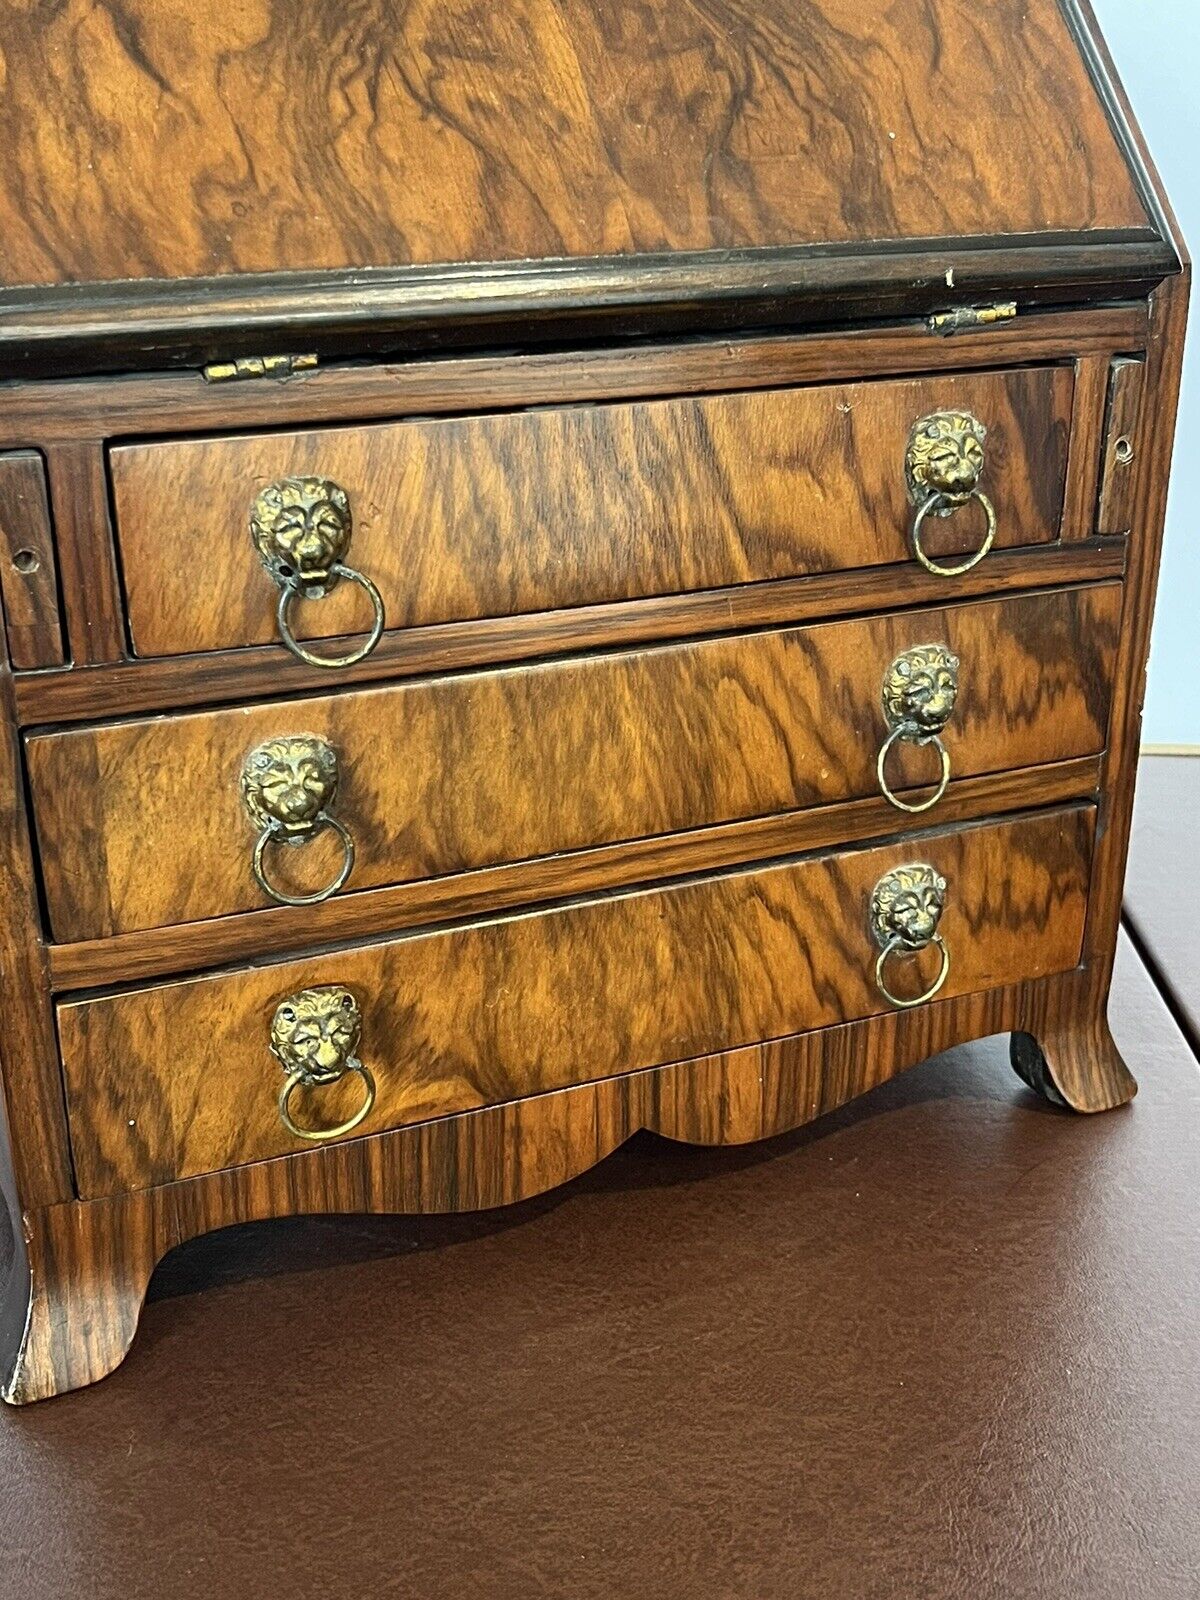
pixel 964 319
pixel 257 367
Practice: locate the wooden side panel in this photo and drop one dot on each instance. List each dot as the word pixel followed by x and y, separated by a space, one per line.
pixel 28 568
pixel 141 823
pixel 516 513
pixel 1153 443
pixel 178 1080
pixel 30 1076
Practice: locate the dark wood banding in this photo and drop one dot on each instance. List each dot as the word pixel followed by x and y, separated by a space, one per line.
pixel 33 1138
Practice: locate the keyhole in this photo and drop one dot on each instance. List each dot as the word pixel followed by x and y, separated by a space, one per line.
pixel 1123 450
pixel 25 561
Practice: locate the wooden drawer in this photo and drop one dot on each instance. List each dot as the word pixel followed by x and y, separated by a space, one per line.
pixel 28 566
pixel 143 824
pixel 179 1079
pixel 490 516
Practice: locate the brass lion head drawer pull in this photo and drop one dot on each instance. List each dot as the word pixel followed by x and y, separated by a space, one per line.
pixel 301 529
pixel 906 907
pixel 314 1037
pixel 288 786
pixel 943 466
pixel 919 692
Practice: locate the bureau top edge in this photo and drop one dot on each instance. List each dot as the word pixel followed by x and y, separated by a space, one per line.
pixel 80 330
pixel 448 175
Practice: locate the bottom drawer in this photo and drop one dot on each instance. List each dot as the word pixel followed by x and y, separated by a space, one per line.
pixel 180 1079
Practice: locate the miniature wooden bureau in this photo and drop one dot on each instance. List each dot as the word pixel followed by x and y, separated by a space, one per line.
pixel 565 569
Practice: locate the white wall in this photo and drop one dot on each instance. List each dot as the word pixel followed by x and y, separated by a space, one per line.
pixel 1156 46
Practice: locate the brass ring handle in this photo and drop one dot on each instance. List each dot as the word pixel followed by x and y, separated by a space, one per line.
pixel 897 943
pixel 273 834
pixel 906 907
pixel 942 468
pixel 314 1037
pixel 293 591
pixel 301 529
pixel 920 690
pixel 316 1135
pixel 904 805
pixel 289 785
pixel 942 504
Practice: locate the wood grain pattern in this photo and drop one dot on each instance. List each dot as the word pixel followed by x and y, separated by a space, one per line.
pixel 1083 462
pixel 262 139
pixel 28 567
pixel 1077 1071
pixel 169 1082
pixel 1078 1053
pixel 52 332
pixel 90 1262
pixel 164 683
pixel 194 946
pixel 509 514
pixel 1126 381
pixel 763 131
pixel 1153 442
pixel 30 1073
pixel 86 554
pixel 142 823
pixel 66 410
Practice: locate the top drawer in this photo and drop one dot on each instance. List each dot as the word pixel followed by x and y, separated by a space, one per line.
pixel 493 516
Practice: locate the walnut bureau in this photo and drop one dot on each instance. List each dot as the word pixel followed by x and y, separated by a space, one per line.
pixel 565 569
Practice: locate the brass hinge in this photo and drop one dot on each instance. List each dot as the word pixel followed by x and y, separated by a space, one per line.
pixel 257 367
pixel 964 318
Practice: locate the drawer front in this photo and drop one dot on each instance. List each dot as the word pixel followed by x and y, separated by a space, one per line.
pixel 166 1082
pixel 144 823
pixel 501 515
pixel 28 567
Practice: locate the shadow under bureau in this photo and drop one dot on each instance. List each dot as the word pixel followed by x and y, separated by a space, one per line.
pixel 595 623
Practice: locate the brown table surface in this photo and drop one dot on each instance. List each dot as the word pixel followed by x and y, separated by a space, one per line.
pixel 945 1343
pixel 1162 897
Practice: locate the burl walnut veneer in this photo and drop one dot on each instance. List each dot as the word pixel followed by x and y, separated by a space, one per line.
pixel 565 569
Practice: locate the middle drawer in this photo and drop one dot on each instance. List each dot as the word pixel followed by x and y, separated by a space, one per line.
pixel 145 823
